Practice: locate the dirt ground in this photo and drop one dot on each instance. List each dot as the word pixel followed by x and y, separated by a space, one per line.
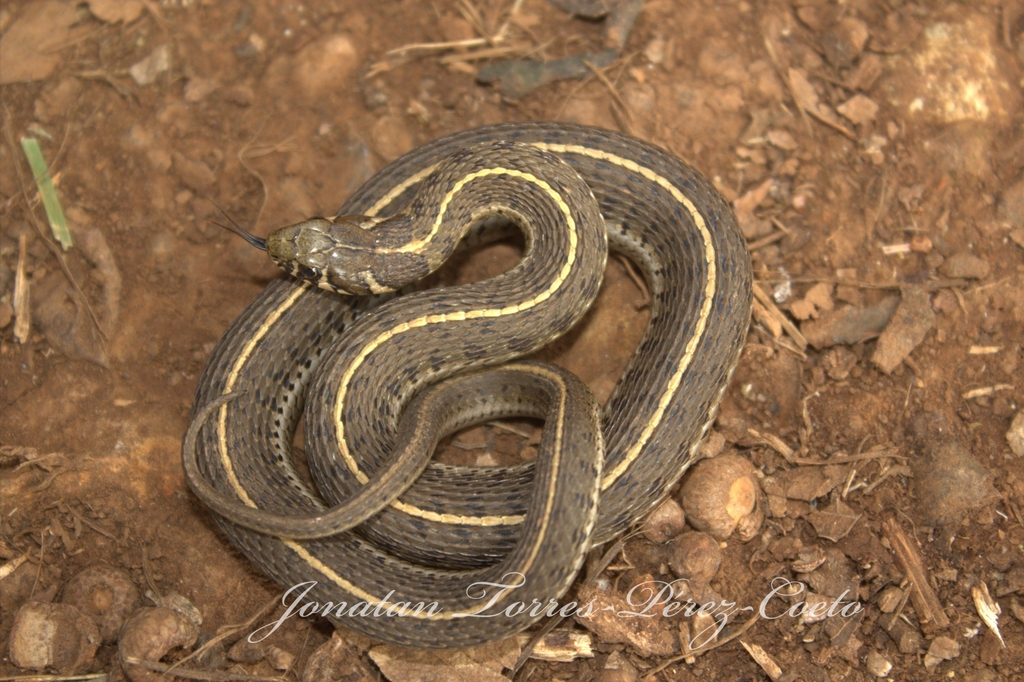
pixel 873 150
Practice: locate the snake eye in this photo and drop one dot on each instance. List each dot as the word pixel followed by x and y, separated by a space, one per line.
pixel 306 272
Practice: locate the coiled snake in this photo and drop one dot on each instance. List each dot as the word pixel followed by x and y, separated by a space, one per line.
pixel 465 555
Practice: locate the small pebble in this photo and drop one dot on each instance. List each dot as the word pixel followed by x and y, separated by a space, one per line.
pixel 920 243
pixel 1011 204
pixel 279 658
pixel 149 69
pixel 858 109
pixel 655 51
pixel 721 495
pixel 194 174
pixel 844 41
pixel 911 322
pixel 336 659
pixel 1014 436
pixel 949 481
pixel 244 651
pixel 325 65
pixel 849 325
pixel 695 557
pixel 665 522
pixel 242 95
pixel 878 665
pixel 941 649
pixel 56 636
pixel 198 89
pixel 965 265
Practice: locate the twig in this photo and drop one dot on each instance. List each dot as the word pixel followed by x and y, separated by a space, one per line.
pixel 704 649
pixel 189 674
pixel 849 459
pixel 927 603
pixel 765 241
pixel 773 310
pixel 228 631
pixel 592 575
pixel 95 527
pixel 53 678
pixel 614 93
pixel 639 281
pixel 245 164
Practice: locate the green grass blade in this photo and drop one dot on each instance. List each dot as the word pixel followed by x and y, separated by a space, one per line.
pixel 46 190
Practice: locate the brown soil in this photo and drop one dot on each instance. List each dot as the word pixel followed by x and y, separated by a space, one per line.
pixel 278 110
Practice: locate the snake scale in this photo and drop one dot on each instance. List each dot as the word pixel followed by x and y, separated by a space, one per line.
pixel 464 555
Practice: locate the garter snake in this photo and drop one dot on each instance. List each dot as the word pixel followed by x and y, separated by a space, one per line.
pixel 459 535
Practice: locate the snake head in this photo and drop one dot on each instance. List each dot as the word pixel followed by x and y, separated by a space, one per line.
pixel 336 254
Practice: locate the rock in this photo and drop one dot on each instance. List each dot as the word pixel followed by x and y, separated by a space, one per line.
pixel 941 649
pixel 650 636
pixel 31 47
pixel 336 659
pixel 949 481
pixel 149 69
pixel 912 320
pixel 878 665
pixel 782 139
pixel 849 325
pixel 665 522
pixel 244 651
pixel 964 265
pixel 722 63
pixel 198 89
pixel 195 174
pixel 325 65
pixel 695 557
pixel 242 95
pixel 56 636
pixel 721 495
pixel 1014 436
pixel 858 109
pixel 908 639
pixel 113 11
pixel 1011 204
pixel 391 137
pixel 844 41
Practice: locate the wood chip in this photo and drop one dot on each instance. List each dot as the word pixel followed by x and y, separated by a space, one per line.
pixel 926 602
pixel 761 657
pixel 562 646
pixel 806 98
pixel 20 299
pixel 773 310
pixel 762 315
pixel 986 391
pixel 988 609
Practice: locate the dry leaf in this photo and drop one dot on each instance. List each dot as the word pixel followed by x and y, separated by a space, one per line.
pixel 835 522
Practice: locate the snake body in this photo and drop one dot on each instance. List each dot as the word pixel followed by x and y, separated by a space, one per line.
pixel 461 536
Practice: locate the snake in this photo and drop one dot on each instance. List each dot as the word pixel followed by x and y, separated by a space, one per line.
pixel 422 554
